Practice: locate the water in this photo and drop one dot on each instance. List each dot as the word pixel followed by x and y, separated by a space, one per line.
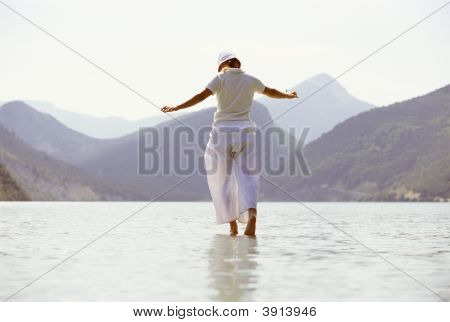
pixel 175 252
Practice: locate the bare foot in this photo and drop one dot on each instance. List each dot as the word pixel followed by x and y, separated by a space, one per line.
pixel 233 228
pixel 251 225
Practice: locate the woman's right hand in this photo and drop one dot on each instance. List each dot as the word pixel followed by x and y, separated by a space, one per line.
pixel 167 109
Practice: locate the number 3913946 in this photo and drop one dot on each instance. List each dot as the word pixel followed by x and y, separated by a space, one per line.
pixel 289 311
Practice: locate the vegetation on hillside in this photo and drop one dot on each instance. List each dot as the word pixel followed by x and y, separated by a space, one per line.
pixel 393 153
pixel 398 152
pixel 9 188
pixel 45 178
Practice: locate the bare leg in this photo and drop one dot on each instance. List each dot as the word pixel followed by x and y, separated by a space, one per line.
pixel 233 228
pixel 251 225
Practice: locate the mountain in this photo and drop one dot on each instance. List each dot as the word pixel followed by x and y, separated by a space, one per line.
pixel 45 178
pixel 44 133
pixel 121 162
pixel 9 188
pixel 115 160
pixel 321 112
pixel 397 152
pixel 96 127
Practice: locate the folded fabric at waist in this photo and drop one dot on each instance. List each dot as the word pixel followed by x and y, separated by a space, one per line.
pixel 235 126
pixel 234 129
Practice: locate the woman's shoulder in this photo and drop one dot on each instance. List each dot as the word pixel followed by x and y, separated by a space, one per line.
pixel 249 76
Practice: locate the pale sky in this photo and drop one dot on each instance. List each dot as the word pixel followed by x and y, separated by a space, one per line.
pixel 167 50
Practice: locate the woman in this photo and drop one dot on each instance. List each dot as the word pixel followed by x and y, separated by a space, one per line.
pixel 231 149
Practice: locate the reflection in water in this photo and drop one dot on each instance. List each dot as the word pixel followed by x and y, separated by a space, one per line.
pixel 233 267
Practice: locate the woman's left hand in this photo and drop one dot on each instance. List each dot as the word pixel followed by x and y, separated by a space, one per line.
pixel 167 109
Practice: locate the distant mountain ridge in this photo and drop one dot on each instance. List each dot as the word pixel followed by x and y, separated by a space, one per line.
pixel 45 178
pixel 397 152
pixel 44 133
pixel 96 127
pixel 320 112
pixel 111 162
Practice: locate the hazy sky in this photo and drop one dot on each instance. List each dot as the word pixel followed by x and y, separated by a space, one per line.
pixel 167 50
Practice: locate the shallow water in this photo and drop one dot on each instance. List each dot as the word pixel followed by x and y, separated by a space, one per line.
pixel 175 252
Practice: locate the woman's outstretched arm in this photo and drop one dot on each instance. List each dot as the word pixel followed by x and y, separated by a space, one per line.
pixel 191 102
pixel 272 92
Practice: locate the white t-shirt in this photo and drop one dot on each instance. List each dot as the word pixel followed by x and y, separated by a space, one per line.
pixel 234 89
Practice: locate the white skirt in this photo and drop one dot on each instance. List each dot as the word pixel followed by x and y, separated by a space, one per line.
pixel 232 170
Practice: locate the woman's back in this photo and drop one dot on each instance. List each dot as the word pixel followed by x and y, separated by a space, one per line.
pixel 235 90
